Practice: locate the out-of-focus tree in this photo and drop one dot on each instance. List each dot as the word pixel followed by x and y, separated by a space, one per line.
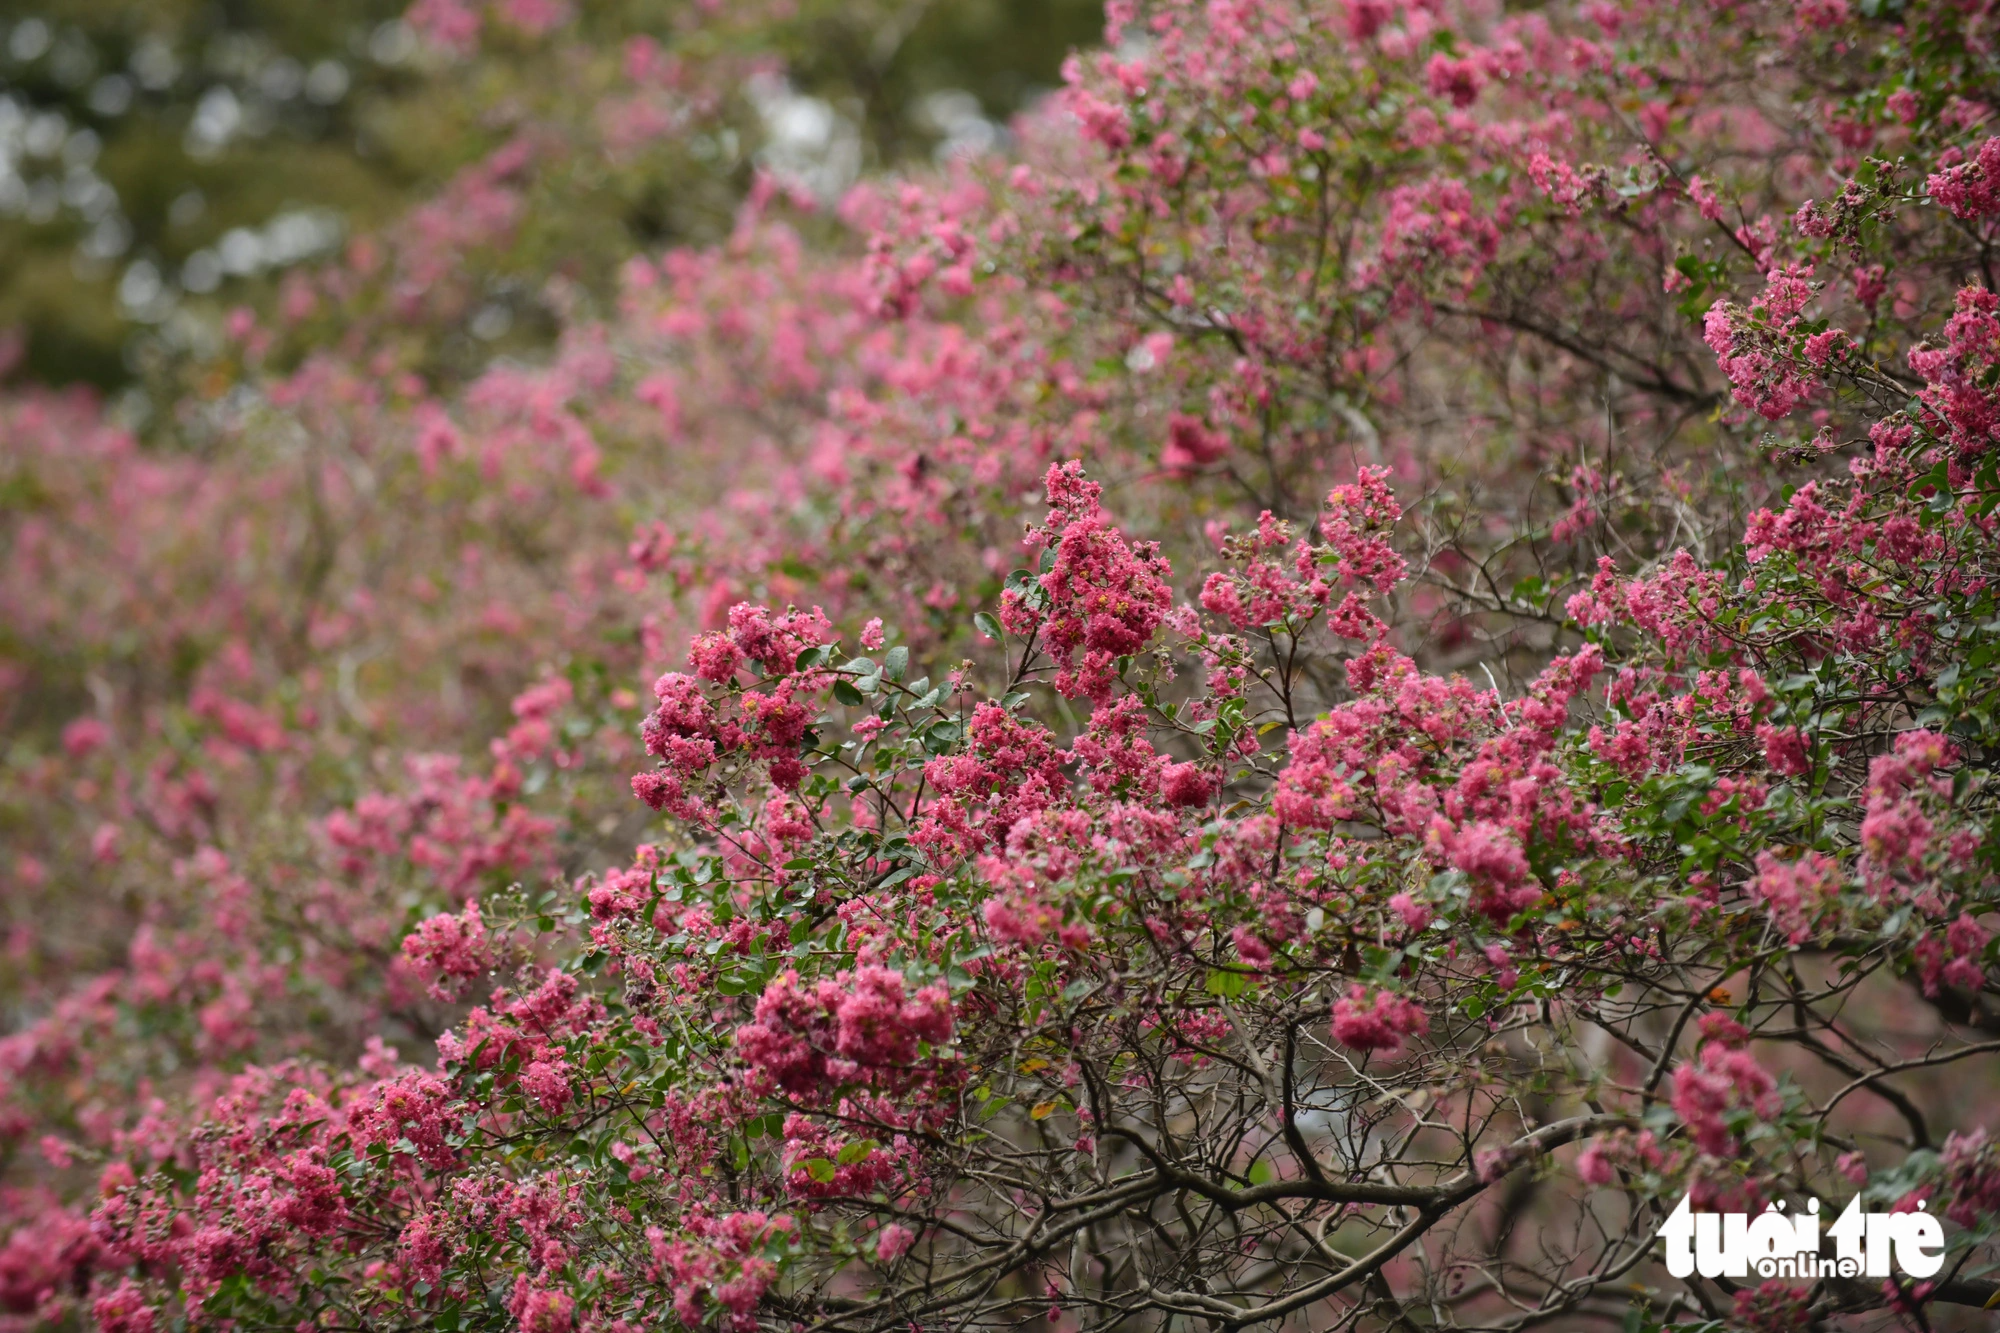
pixel 159 149
pixel 161 163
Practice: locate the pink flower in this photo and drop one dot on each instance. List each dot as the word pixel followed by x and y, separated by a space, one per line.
pixel 1953 957
pixel 860 1026
pixel 1971 1178
pixel 1415 915
pixel 1799 894
pixel 1491 857
pixel 1786 750
pixel 1250 947
pixel 536 18
pixel 1704 198
pixel 85 735
pixel 1365 18
pixel 1013 919
pixel 540 1310
pixel 715 657
pixel 879 1026
pixel 1460 80
pixel 658 790
pixel 422 1248
pixel 452 25
pixel 1102 598
pixel 547 1081
pixel 893 1242
pixel 1378 1023
pixel 1719 1081
pixel 1970 191
pixel 1822 348
pixel 1191 445
pixel 437 438
pixel 1723 1030
pixel 1188 784
pixel 1595 1166
pixel 1352 522
pixel 447 948
pixel 123 1309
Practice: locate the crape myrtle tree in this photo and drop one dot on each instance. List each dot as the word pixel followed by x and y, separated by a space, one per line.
pixel 1300 704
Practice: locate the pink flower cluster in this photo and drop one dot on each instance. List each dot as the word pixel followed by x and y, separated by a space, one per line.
pixel 1970 190
pixel 1753 346
pixel 449 948
pixel 1723 1078
pixel 862 1027
pixel 720 1269
pixel 1355 553
pixel 1380 1023
pixel 688 733
pixel 1101 597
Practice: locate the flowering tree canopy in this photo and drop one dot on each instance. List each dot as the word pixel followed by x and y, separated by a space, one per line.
pixel 1299 699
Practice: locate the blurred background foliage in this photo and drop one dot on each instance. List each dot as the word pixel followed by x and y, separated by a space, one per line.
pixel 163 161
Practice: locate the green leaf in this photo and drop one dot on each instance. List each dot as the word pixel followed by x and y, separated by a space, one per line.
pixel 893 664
pixel 819 1169
pixel 1225 983
pixel 987 625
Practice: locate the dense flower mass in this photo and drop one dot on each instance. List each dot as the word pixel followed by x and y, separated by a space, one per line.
pixel 1300 698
